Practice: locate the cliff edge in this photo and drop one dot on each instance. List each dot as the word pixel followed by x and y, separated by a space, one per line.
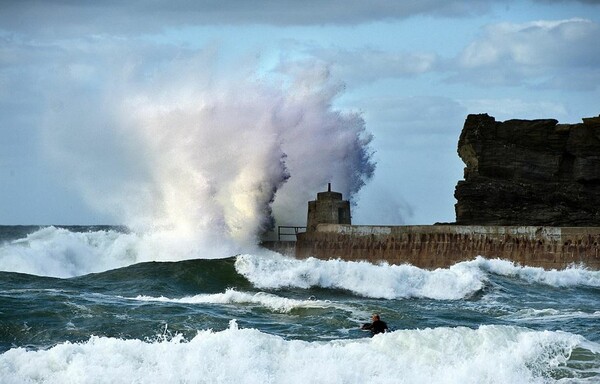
pixel 529 172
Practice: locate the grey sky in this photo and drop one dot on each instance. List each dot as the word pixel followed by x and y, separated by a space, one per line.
pixel 413 70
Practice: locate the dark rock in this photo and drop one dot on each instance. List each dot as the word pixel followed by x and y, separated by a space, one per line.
pixel 529 172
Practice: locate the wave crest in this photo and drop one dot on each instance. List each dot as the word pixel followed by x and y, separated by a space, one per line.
pixel 232 296
pixel 574 275
pixel 386 281
pixel 59 252
pixel 363 278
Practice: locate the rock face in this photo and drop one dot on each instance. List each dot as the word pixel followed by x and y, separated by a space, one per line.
pixel 529 172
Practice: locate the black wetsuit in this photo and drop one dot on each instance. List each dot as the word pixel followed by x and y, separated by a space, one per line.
pixel 376 327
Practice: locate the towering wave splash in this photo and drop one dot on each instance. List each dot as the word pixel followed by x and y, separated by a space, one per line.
pixel 207 153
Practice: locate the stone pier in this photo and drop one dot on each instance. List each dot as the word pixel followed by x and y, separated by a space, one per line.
pixel 440 246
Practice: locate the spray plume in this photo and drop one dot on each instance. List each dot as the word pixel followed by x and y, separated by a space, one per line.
pixel 208 156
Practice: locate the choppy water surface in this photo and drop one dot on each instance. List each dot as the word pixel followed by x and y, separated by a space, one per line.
pixel 78 306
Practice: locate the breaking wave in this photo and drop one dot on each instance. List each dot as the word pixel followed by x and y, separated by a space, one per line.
pixel 440 355
pixel 399 281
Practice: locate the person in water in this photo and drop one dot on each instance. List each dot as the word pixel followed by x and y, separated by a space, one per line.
pixel 377 326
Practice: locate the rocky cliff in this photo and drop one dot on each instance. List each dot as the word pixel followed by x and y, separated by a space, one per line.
pixel 529 172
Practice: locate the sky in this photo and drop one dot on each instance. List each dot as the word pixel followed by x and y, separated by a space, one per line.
pixel 234 111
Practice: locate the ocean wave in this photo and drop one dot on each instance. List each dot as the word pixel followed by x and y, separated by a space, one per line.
pixel 461 280
pixel 63 253
pixel 231 296
pixel 362 278
pixel 574 275
pixel 490 354
pixel 550 315
pixel 59 252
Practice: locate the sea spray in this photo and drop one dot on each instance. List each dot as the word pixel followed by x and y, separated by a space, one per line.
pixel 203 155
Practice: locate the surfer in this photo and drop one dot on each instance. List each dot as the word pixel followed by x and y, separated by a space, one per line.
pixel 377 326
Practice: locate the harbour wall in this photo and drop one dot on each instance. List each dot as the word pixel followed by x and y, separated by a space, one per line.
pixel 440 246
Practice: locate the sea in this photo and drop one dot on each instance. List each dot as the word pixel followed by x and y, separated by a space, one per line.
pixel 89 305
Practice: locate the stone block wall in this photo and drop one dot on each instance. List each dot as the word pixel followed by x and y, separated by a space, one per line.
pixel 440 246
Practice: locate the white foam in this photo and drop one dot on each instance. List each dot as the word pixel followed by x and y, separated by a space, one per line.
pixel 231 296
pixel 568 277
pixel 58 252
pixel 490 354
pixel 363 278
pixel 550 315
pixel 399 281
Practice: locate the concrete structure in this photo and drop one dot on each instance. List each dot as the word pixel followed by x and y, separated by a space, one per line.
pixel 329 208
pixel 440 246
